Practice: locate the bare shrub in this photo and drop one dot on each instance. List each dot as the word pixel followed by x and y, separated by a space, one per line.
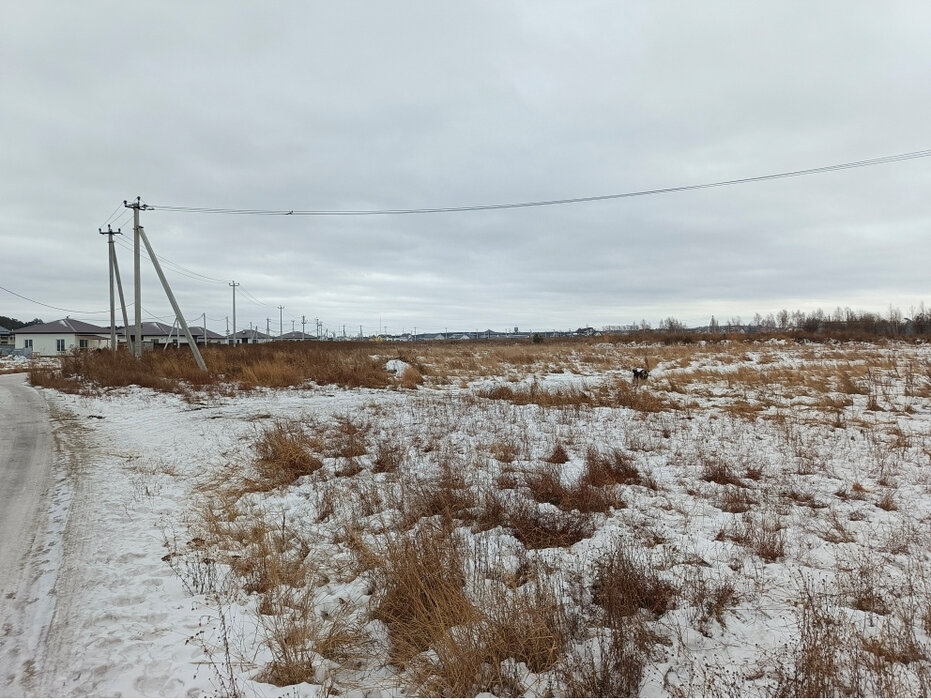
pixel 420 581
pixel 283 455
pixel 624 582
pixel 389 456
pixel 609 468
pixel 814 668
pixel 762 534
pixel 537 530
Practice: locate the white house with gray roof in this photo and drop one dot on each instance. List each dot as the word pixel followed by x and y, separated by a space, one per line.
pixel 62 336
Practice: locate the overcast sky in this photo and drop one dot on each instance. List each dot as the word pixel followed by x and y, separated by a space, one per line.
pixel 375 105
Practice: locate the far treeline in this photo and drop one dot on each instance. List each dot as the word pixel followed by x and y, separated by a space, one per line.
pixel 842 324
pixel 12 324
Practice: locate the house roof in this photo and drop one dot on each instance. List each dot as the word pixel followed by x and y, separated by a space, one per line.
pixel 64 325
pixel 5 331
pixel 153 328
pixel 253 334
pixel 296 335
pixel 198 332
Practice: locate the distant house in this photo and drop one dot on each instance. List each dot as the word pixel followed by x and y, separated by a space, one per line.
pixel 295 335
pixel 197 332
pixel 62 336
pixel 156 335
pixel 252 336
pixel 6 336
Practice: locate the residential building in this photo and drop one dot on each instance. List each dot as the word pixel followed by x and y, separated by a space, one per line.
pixel 62 336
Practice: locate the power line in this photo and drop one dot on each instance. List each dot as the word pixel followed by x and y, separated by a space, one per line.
pixel 549 202
pixel 110 218
pixel 175 267
pixel 257 301
pixel 56 308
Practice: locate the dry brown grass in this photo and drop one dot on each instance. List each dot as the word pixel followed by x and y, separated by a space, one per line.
pixel 609 468
pixel 762 533
pixel 546 486
pixel 526 625
pixel 243 367
pixel 420 580
pixel 625 582
pixel 284 455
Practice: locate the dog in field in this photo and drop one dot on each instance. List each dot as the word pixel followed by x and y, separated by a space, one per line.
pixel 641 374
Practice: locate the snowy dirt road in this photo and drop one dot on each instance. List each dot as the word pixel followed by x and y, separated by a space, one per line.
pixel 26 449
pixel 87 606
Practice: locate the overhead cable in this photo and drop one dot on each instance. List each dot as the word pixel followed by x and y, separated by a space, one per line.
pixel 57 308
pixel 547 202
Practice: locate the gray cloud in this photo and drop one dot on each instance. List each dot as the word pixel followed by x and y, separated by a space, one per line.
pixel 361 105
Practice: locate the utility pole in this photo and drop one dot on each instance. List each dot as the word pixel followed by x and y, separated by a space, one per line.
pixel 115 274
pixel 137 206
pixel 268 327
pixel 280 321
pixel 303 327
pixel 205 330
pixel 234 284
pixel 171 298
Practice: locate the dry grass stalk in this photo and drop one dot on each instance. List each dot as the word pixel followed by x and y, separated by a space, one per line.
pixel 283 455
pixel 420 590
pixel 624 583
pixel 609 468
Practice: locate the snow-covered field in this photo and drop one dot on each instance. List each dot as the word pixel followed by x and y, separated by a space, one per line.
pixel 755 519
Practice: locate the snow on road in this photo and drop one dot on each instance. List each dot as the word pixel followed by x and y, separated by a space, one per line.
pixel 99 611
pixel 25 470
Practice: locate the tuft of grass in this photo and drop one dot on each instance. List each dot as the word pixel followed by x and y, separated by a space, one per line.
pixel 624 583
pixel 420 580
pixel 283 455
pixel 389 457
pixel 546 487
pixel 527 625
pixel 717 470
pixel 609 468
pixel 536 530
pixel 762 534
